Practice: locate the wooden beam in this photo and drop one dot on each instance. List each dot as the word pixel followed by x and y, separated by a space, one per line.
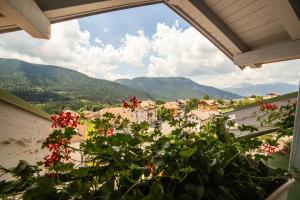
pixel 214 19
pixel 287 17
pixel 280 52
pixel 85 8
pixel 28 16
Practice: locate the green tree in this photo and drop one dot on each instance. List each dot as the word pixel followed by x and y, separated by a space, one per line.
pixel 191 104
pixel 160 102
pixel 220 101
pixel 205 97
pixel 98 107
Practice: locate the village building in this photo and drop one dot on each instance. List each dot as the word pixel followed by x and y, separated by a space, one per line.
pixel 147 111
pixel 271 95
pixel 200 117
pixel 120 113
pixel 77 157
pixel 173 107
pixel 208 105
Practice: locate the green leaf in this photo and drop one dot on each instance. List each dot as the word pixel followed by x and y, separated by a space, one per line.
pixel 195 190
pixel 188 153
pixel 80 172
pixel 185 196
pixel 187 170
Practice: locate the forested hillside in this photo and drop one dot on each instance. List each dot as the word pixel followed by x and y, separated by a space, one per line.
pixel 54 88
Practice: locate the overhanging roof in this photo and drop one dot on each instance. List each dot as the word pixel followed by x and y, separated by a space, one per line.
pixel 249 32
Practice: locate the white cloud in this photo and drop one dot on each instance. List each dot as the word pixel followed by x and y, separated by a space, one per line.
pixel 170 51
pixel 179 52
pixel 285 72
pixel 68 47
pixel 105 30
pixel 98 41
pixel 135 48
pixel 185 52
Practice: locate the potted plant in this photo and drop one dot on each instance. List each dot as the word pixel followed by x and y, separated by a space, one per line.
pixel 127 161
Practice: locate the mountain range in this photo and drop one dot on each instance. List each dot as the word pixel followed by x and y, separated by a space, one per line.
pixel 55 88
pixel 172 88
pixel 245 89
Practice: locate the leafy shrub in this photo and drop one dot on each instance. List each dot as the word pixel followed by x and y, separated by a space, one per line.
pixel 127 161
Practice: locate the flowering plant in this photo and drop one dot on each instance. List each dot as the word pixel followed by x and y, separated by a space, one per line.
pixel 281 120
pixel 129 161
pixel 133 103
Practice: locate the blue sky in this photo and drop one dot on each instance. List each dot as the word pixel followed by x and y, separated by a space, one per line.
pixel 144 41
pixel 111 27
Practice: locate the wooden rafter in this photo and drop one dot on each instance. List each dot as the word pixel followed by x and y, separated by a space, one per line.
pixel 26 15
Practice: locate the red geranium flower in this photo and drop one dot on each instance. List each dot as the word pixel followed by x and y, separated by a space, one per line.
pixel 111 131
pixel 125 104
pixel 295 103
pixel 268 149
pixel 59 152
pixel 133 103
pixel 65 119
pixel 268 106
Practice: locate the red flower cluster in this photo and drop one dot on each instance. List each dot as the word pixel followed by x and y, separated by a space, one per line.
pixel 65 119
pixel 268 106
pixel 269 150
pixel 133 103
pixel 111 131
pixel 58 153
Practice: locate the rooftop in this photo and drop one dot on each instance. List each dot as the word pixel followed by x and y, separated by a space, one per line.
pixel 20 103
pixel 203 114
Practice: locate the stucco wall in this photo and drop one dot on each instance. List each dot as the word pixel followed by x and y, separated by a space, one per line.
pixel 21 135
pixel 245 117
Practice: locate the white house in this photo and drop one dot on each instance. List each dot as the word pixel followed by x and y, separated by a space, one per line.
pixel 271 95
pixel 147 111
pixel 200 117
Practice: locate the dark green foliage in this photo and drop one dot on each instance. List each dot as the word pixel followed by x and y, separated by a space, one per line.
pixel 55 89
pixel 174 88
pixel 210 165
pixel 206 97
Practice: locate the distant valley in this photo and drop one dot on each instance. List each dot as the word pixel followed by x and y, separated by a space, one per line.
pixel 55 88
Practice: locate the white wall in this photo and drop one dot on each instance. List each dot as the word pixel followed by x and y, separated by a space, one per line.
pixel 21 135
pixel 244 116
pixel 194 119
